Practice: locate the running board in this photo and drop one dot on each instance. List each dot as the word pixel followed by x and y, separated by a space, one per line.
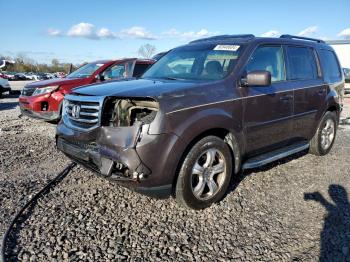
pixel 275 155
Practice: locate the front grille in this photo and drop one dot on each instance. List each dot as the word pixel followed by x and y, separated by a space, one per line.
pixel 82 113
pixel 28 91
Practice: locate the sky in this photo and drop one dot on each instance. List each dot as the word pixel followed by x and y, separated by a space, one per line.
pixel 86 30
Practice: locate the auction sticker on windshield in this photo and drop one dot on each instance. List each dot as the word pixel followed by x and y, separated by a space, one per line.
pixel 227 47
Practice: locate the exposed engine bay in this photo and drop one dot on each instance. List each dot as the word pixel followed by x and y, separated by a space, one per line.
pixel 127 112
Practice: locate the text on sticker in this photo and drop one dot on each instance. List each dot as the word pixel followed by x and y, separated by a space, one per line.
pixel 227 47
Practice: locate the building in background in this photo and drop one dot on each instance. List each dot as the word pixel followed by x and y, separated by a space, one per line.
pixel 342 48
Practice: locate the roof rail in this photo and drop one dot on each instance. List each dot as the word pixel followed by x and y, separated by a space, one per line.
pixel 302 38
pixel 224 37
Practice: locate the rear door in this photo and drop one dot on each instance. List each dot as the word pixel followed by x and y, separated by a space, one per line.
pixel 304 75
pixel 268 111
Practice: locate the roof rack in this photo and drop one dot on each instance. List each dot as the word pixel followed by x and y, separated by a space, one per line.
pixel 302 38
pixel 224 37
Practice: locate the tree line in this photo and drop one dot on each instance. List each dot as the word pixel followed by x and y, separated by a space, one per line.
pixel 25 64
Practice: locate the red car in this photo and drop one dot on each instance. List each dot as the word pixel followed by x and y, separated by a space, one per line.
pixel 43 99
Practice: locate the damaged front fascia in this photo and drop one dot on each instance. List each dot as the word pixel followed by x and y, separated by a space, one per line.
pixel 118 143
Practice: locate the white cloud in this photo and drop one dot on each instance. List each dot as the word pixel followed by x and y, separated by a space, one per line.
pixel 53 32
pixel 105 33
pixel 86 30
pixel 345 33
pixel 188 35
pixel 137 32
pixel 271 33
pixel 308 31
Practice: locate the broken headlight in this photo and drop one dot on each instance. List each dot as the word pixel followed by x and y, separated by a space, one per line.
pixel 127 112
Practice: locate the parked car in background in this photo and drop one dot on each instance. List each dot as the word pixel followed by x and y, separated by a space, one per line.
pixel 347 80
pixel 9 75
pixel 205 111
pixel 43 99
pixel 4 76
pixel 32 76
pixel 4 86
pixel 60 74
pixel 21 76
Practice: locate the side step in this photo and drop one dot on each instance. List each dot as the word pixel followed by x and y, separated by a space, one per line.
pixel 275 155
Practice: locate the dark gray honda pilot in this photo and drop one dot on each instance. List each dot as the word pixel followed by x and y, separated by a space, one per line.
pixel 205 111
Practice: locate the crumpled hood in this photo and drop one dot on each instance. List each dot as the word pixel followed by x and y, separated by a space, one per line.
pixel 54 82
pixel 135 88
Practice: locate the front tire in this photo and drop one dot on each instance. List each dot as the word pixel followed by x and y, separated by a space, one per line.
pixel 205 173
pixel 323 140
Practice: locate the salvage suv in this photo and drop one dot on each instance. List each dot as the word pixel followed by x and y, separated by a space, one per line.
pixel 43 99
pixel 205 111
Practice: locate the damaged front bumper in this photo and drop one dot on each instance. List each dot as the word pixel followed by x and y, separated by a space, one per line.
pixel 128 155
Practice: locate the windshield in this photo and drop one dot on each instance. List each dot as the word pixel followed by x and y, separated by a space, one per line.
pixel 85 71
pixel 210 62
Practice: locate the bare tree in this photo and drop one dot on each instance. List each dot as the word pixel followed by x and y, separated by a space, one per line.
pixel 147 51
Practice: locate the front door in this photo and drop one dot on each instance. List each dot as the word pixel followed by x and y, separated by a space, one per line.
pixel 268 111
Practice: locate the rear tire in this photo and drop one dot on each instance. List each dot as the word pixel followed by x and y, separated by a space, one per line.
pixel 205 173
pixel 323 140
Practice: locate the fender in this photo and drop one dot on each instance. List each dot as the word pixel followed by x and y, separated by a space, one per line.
pixel 205 120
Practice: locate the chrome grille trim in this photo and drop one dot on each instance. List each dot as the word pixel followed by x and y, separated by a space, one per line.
pixel 89 114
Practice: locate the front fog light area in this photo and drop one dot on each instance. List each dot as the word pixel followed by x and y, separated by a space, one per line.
pixel 127 112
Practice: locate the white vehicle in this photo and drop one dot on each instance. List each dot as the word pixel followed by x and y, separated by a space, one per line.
pixel 4 86
pixel 32 76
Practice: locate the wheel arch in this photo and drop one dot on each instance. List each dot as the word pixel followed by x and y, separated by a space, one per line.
pixel 225 134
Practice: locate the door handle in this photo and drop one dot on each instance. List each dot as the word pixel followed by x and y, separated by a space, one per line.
pixel 286 97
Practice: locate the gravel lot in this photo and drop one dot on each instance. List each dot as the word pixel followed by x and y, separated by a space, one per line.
pixel 294 210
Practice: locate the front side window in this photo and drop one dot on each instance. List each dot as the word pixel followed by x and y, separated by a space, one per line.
pixel 330 66
pixel 301 63
pixel 85 71
pixel 209 62
pixel 268 58
pixel 118 71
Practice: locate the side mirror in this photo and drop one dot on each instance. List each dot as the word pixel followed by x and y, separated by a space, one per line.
pixel 257 78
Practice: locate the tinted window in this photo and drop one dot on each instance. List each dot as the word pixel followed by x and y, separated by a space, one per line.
pixel 330 66
pixel 140 69
pixel 301 63
pixel 268 58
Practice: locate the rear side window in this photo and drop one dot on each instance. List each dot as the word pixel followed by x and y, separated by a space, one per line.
pixel 139 69
pixel 268 58
pixel 301 63
pixel 330 66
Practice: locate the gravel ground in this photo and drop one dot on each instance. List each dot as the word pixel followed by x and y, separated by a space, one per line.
pixel 294 210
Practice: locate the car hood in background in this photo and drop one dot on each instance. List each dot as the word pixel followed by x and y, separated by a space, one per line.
pixel 54 82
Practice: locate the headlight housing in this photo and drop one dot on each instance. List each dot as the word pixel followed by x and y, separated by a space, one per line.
pixel 127 112
pixel 44 90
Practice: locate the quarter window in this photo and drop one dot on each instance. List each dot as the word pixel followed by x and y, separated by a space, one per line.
pixel 268 58
pixel 330 66
pixel 301 63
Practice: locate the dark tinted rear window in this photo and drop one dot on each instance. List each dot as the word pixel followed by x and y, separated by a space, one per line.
pixel 301 63
pixel 330 66
pixel 140 69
